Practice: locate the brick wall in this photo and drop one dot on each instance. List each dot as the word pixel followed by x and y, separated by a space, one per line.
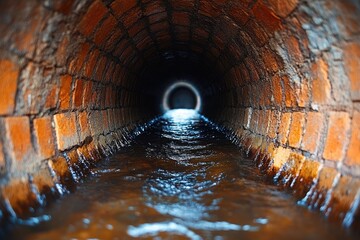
pixel 285 82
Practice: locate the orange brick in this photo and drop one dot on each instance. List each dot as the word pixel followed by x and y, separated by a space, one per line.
pixel 51 98
pixel 352 64
pixel 321 88
pixel 277 90
pixel 274 118
pixel 65 92
pixel 78 93
pixel 19 196
pixel 44 137
pixel 60 167
pixel 2 159
pixel 84 125
pixel 339 124
pixel 87 93
pixel 313 130
pixel 293 48
pixel 283 8
pixel 284 128
pixel 18 138
pixel 66 131
pixel 8 82
pixel 296 129
pixel 290 99
pixel 353 154
pixel 303 94
pixel 270 60
pixel 95 13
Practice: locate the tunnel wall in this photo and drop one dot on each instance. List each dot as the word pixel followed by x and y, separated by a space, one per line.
pixel 285 83
pixel 64 103
pixel 293 102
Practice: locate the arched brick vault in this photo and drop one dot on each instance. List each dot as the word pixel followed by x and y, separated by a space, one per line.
pixel 76 76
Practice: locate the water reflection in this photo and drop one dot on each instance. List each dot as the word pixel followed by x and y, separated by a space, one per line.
pixel 181 179
pixel 182 194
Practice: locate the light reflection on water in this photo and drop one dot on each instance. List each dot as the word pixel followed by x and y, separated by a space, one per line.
pixel 180 179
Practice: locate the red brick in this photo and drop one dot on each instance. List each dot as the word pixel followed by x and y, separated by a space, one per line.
pixel 44 137
pixel 267 17
pixel 284 128
pixel 256 32
pixel 104 31
pixel 95 13
pixel 239 14
pixel 353 154
pixel 352 65
pixel 91 63
pixel 63 6
pixel 296 129
pixel 321 88
pixel 183 4
pixel 154 7
pixel 313 131
pixel 181 18
pixel 61 54
pixel 270 60
pixel 66 131
pixel 339 124
pixel 277 90
pixel 88 89
pixel 283 8
pixel 79 60
pixel 8 82
pixel 18 137
pixel 122 6
pixel 209 9
pixel 78 93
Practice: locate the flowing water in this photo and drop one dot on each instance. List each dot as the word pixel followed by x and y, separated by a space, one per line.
pixel 180 179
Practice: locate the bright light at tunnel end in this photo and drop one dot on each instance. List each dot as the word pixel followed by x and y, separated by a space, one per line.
pixel 171 88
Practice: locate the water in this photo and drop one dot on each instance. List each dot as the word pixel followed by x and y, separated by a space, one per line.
pixel 180 179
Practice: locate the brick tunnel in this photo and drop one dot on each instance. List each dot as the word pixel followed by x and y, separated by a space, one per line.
pixel 78 76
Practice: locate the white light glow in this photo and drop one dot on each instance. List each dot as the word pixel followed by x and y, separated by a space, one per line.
pixel 172 87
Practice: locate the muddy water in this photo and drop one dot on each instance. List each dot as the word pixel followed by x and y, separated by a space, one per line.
pixel 181 179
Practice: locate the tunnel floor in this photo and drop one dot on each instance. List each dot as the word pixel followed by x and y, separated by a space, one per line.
pixel 180 179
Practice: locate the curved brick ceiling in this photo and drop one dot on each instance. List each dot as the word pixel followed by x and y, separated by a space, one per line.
pixel 76 76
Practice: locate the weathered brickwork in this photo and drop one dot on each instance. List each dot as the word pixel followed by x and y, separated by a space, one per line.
pixel 285 82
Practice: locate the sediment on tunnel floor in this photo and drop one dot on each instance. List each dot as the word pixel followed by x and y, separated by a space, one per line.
pixel 77 76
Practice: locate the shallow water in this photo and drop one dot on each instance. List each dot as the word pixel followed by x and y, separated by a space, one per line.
pixel 180 179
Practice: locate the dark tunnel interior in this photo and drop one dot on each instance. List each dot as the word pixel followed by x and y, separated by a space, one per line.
pixel 79 77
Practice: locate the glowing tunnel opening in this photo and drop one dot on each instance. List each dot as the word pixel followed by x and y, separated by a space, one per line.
pixel 181 95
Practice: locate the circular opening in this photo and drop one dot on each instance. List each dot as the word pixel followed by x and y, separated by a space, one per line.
pixel 181 95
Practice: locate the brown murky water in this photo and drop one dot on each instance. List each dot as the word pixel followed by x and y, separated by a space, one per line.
pixel 180 179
